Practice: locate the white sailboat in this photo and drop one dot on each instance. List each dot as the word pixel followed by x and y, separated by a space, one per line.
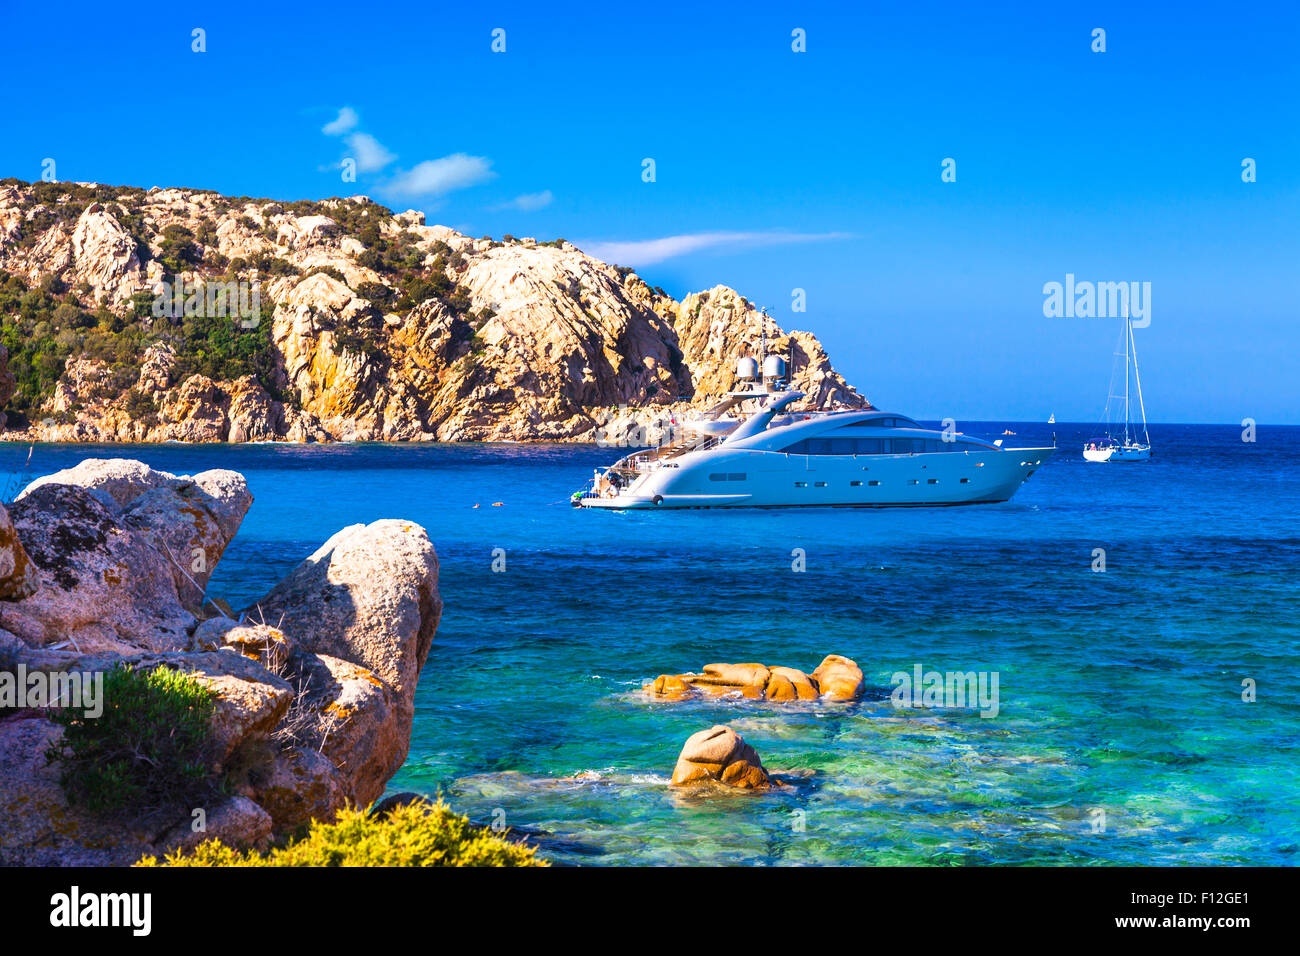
pixel 1129 446
pixel 1051 419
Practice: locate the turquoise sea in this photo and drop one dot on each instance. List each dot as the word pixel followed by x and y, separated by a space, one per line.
pixel 1122 736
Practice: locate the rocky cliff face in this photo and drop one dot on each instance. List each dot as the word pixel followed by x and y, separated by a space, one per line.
pixel 368 326
pixel 107 564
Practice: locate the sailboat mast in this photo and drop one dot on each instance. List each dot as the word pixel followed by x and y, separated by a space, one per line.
pixel 1137 377
pixel 1128 337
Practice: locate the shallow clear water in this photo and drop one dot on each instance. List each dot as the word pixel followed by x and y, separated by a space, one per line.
pixel 1119 691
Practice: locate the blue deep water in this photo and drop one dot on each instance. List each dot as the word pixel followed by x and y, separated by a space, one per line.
pixel 1121 737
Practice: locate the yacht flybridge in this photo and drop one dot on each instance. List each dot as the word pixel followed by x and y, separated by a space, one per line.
pixel 772 458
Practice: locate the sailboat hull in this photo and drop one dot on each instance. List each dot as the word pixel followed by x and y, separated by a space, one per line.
pixel 1118 453
pixel 1132 453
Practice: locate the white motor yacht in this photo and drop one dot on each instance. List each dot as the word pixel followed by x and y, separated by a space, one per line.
pixel 773 458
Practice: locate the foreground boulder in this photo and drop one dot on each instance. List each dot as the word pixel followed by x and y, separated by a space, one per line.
pixel 108 565
pixel 18 576
pixel 836 678
pixel 720 755
pixel 41 828
pixel 188 521
pixel 102 585
pixel 361 613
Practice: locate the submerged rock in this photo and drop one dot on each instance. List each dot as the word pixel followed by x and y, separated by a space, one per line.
pixel 839 678
pixel 720 755
pixel 836 678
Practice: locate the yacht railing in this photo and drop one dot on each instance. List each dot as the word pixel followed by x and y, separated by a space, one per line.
pixel 651 459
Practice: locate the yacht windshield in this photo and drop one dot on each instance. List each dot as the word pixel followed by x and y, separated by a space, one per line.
pixel 877 446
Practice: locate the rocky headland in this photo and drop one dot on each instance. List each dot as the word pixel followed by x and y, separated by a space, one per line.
pixel 180 314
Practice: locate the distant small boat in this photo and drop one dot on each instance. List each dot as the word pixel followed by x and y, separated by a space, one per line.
pixel 1051 419
pixel 1008 432
pixel 1128 448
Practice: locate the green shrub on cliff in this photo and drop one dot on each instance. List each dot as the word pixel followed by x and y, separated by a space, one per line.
pixel 413 835
pixel 149 750
pixel 43 329
pixel 223 350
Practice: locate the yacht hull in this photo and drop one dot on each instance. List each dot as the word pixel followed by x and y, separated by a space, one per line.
pixel 765 479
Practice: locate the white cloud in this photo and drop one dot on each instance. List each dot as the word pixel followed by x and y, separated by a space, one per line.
pixel 645 252
pixel 529 202
pixel 346 120
pixel 369 153
pixel 434 177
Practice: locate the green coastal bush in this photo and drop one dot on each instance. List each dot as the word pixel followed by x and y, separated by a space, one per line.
pixel 412 835
pixel 149 750
pixel 223 350
pixel 43 328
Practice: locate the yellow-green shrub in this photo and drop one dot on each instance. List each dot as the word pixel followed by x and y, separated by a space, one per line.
pixel 415 835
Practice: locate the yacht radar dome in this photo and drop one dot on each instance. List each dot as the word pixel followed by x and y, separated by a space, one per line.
pixel 774 367
pixel 747 368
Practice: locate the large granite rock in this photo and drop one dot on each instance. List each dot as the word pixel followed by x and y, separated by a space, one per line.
pixel 187 522
pixel 368 597
pixel 18 576
pixel 310 715
pixel 115 482
pixel 103 586
pixel 304 785
pixel 353 722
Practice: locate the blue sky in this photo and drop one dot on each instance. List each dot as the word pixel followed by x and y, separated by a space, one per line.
pixel 775 170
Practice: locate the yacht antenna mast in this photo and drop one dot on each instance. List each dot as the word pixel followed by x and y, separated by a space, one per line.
pixel 762 349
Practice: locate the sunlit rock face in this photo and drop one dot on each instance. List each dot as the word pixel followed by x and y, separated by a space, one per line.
pixel 364 325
